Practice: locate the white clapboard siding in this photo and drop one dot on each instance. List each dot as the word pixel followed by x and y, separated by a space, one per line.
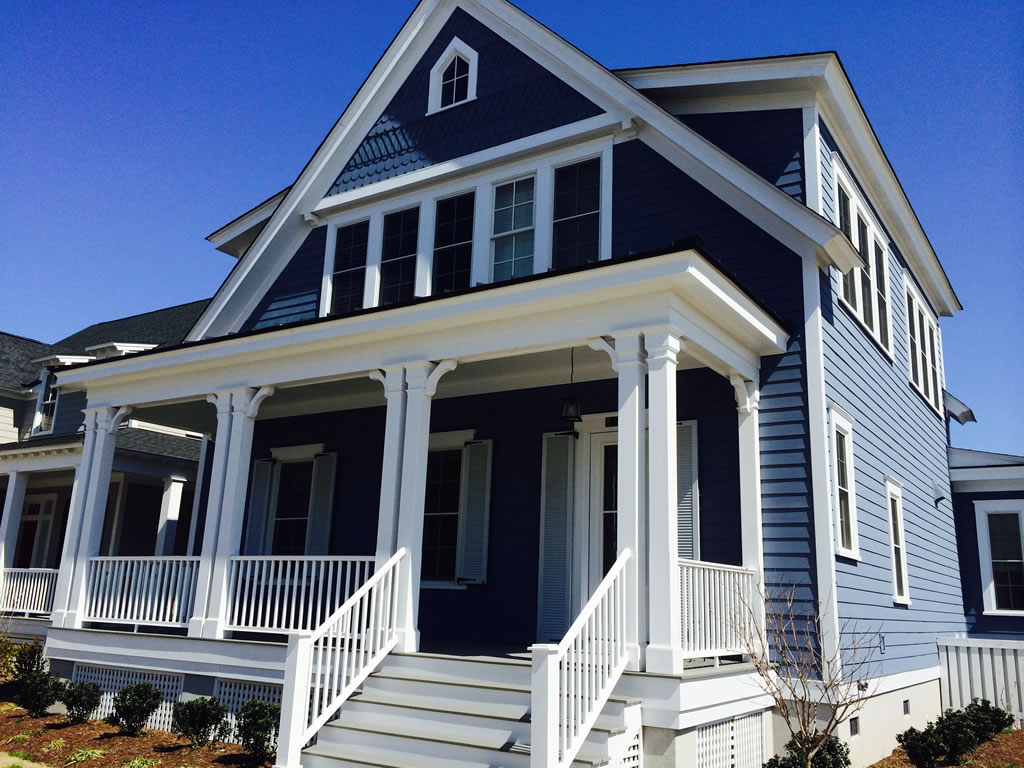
pixel 555 537
pixel 982 668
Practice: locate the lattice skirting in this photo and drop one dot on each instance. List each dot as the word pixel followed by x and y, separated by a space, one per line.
pixel 635 753
pixel 113 679
pixel 234 693
pixel 736 743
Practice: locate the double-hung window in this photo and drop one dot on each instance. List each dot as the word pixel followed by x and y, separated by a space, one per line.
pixel 1001 554
pixel 398 256
pixel 897 540
pixel 512 243
pixel 47 406
pixel 349 268
pixel 453 243
pixel 455 82
pixel 865 289
pixel 577 214
pixel 923 348
pixel 844 488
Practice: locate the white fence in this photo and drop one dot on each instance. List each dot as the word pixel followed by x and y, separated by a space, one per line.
pixel 716 602
pixel 158 591
pixel 290 594
pixel 981 668
pixel 571 681
pixel 27 590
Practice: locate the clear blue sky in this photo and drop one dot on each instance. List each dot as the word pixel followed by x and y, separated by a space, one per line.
pixel 129 131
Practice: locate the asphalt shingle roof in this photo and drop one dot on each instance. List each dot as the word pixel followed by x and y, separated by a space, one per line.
pixel 134 439
pixel 162 327
pixel 16 356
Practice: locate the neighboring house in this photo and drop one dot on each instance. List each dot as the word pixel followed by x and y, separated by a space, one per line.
pixel 152 476
pixel 565 358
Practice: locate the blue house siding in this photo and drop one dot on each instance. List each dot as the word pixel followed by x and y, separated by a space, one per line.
pixel 970 569
pixel 515 97
pixel 295 295
pixel 769 142
pixel 895 434
pixel 654 203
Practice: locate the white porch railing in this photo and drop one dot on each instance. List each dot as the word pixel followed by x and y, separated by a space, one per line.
pixel 27 590
pixel 290 594
pixel 982 668
pixel 716 603
pixel 325 666
pixel 571 681
pixel 158 591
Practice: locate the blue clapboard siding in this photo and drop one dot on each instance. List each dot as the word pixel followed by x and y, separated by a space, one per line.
pixel 295 295
pixel 769 142
pixel 68 416
pixel 895 434
pixel 970 569
pixel 654 203
pixel 505 608
pixel 515 97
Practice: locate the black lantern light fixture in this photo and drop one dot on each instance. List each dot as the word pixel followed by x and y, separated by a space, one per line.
pixel 571 411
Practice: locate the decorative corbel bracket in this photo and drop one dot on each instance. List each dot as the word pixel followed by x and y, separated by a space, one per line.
pixel 311 218
pixel 748 395
pixel 115 423
pixel 257 400
pixel 601 344
pixel 440 370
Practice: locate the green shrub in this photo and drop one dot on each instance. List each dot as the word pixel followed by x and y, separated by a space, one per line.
pixel 923 748
pixel 832 754
pixel 955 734
pixel 988 719
pixel 38 691
pixel 133 706
pixel 81 700
pixel 198 720
pixel 28 659
pixel 7 651
pixel 958 734
pixel 257 728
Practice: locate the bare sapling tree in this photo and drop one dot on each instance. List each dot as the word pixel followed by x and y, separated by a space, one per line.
pixel 816 681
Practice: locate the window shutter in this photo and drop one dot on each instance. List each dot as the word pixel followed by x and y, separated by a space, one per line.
pixel 259 503
pixel 474 513
pixel 687 518
pixel 321 504
pixel 555 538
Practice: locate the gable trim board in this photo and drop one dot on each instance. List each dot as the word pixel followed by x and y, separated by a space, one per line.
pixel 784 218
pixel 234 237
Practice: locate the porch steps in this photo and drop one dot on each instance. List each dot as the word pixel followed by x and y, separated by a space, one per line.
pixel 428 711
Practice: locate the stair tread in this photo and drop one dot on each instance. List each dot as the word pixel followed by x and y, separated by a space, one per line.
pixel 395 758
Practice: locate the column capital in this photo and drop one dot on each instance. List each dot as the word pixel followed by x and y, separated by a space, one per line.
pixel 663 344
pixel 221 401
pixel 425 375
pixel 748 394
pixel 106 418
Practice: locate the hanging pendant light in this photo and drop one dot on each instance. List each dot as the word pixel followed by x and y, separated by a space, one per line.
pixel 571 410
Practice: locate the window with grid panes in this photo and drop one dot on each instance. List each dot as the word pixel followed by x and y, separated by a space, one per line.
pixel 453 243
pixel 291 512
pixel 398 256
pixel 1004 534
pixel 455 82
pixel 349 268
pixel 441 515
pixel 512 244
pixel 577 218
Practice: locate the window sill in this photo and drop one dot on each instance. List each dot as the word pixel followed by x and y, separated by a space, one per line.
pixel 864 327
pixel 443 585
pixel 901 601
pixel 848 554
pixel 997 612
pixel 450 106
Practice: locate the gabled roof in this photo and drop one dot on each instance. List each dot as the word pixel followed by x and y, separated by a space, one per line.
pixel 791 222
pixel 16 356
pixel 237 235
pixel 162 327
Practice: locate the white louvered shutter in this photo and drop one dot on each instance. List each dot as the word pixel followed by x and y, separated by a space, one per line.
pixel 321 504
pixel 259 504
pixel 555 538
pixel 474 513
pixel 687 518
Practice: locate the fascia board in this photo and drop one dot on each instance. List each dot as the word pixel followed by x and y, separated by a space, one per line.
pixel 727 72
pixel 986 473
pixel 18 394
pixel 246 221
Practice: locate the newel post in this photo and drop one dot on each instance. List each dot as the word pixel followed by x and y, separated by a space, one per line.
pixel 294 701
pixel 544 715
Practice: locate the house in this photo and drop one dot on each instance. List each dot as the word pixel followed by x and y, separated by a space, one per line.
pixel 152 479
pixel 518 399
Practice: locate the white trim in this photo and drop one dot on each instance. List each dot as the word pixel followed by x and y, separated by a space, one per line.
pixel 925 359
pixel 842 424
pixel 305 452
pixel 239 226
pixel 450 441
pixel 894 492
pixel 455 48
pixel 37 417
pixel 982 509
pixel 812 159
pixel 117 349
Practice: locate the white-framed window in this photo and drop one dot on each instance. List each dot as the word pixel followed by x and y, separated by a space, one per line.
pixel 46 404
pixel 348 268
pixel 456 510
pixel 1000 526
pixel 844 483
pixel 512 240
pixel 864 290
pixel 398 256
pixel 453 243
pixel 577 214
pixel 453 77
pixel 923 347
pixel 897 541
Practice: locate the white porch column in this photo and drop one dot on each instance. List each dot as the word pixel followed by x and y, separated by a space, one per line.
pixel 393 381
pixel 94 508
pixel 421 381
pixel 664 653
pixel 748 397
pixel 170 510
pixel 631 367
pixel 245 404
pixel 10 523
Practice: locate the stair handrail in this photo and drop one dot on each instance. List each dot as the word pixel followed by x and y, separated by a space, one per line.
pixel 326 665
pixel 572 681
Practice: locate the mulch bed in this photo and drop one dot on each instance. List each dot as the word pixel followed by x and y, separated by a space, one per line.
pixel 96 734
pixel 1005 751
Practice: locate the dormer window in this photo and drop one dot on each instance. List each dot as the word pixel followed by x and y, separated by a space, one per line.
pixel 47 404
pixel 453 77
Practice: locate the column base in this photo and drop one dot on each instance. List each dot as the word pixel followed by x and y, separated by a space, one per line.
pixel 211 629
pixel 408 641
pixel 634 657
pixel 665 659
pixel 58 618
pixel 195 626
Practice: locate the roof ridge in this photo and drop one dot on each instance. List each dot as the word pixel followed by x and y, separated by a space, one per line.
pixel 26 338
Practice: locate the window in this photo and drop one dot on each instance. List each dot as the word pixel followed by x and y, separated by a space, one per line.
pixel 854 726
pixel 577 218
pixel 924 343
pixel 906 706
pixel 900 586
pixel 512 244
pixel 291 509
pixel 453 243
pixel 1001 554
pixel 398 256
pixel 843 482
pixel 453 77
pixel 441 515
pixel 349 268
pixel 865 289
pixel 47 405
pixel 455 82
